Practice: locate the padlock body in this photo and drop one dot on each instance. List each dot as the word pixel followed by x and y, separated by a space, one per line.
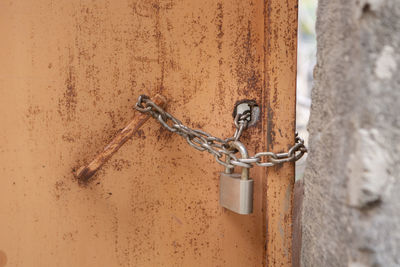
pixel 236 194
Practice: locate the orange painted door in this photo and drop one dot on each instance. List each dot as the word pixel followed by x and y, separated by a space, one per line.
pixel 70 74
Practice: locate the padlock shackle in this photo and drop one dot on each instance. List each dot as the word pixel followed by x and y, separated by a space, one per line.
pixel 244 154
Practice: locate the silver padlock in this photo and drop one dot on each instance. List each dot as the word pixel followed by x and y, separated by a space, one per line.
pixel 236 190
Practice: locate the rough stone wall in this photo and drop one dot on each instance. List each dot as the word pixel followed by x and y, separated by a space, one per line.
pixel 351 212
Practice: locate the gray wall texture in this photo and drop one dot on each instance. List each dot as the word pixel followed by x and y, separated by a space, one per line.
pixel 351 212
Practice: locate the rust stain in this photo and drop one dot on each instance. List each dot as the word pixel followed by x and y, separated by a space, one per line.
pixel 247 74
pixel 60 189
pixel 219 20
pixel 280 42
pixel 120 164
pixel 219 24
pixel 67 104
pixel 140 134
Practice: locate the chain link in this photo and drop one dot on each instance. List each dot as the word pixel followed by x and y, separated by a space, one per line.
pixel 218 147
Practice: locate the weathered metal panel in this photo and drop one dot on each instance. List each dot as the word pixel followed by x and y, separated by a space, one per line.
pixel 279 121
pixel 70 74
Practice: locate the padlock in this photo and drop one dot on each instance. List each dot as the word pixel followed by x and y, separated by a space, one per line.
pixel 236 190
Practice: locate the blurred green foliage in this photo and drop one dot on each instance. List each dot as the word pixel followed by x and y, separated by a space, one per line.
pixel 307 16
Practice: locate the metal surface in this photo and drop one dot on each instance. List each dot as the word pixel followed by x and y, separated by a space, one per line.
pixel 236 194
pixel 70 73
pixel 236 190
pixel 279 126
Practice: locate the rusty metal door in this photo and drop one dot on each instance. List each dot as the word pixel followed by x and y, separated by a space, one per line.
pixel 70 74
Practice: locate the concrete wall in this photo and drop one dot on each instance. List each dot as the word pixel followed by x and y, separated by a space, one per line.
pixel 352 202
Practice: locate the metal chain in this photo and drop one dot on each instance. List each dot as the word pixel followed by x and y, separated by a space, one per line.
pixel 218 147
